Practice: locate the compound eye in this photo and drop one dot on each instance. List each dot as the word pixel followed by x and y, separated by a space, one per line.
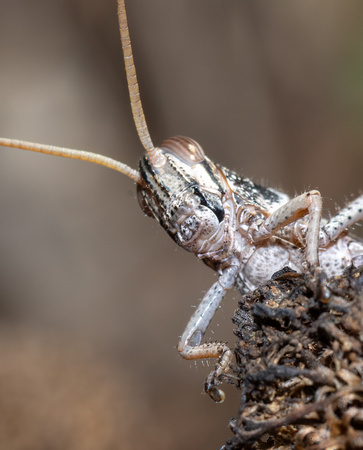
pixel 141 196
pixel 184 148
pixel 188 228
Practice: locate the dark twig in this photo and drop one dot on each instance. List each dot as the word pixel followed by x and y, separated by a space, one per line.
pixel 300 364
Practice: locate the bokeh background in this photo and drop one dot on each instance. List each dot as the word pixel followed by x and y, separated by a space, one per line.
pixel 93 295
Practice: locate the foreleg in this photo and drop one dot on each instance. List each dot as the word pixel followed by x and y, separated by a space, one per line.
pixel 190 346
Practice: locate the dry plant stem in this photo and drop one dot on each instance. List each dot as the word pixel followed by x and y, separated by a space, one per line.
pixel 300 365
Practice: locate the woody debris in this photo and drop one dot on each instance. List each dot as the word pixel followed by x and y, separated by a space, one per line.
pixel 300 364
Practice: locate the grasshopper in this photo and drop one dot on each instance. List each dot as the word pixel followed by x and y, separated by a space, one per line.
pixel 242 230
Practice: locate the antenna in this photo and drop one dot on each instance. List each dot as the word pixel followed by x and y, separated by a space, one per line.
pixel 156 156
pixel 73 154
pixel 137 112
pixel 132 83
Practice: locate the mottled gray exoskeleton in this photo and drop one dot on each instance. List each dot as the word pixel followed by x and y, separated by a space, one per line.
pixel 242 230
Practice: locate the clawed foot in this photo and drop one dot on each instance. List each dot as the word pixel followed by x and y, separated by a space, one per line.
pixel 214 378
pixel 210 387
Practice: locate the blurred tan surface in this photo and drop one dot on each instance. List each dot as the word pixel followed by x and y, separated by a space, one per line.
pixel 55 395
pixel 270 89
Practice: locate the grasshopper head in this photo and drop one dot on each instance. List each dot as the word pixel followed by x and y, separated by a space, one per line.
pixel 182 189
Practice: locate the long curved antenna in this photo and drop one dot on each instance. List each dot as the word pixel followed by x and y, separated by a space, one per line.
pixel 134 93
pixel 74 154
pixel 137 112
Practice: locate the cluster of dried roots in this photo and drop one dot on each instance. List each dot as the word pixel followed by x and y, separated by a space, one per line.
pixel 300 365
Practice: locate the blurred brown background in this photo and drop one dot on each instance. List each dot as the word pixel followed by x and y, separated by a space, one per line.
pixel 93 295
